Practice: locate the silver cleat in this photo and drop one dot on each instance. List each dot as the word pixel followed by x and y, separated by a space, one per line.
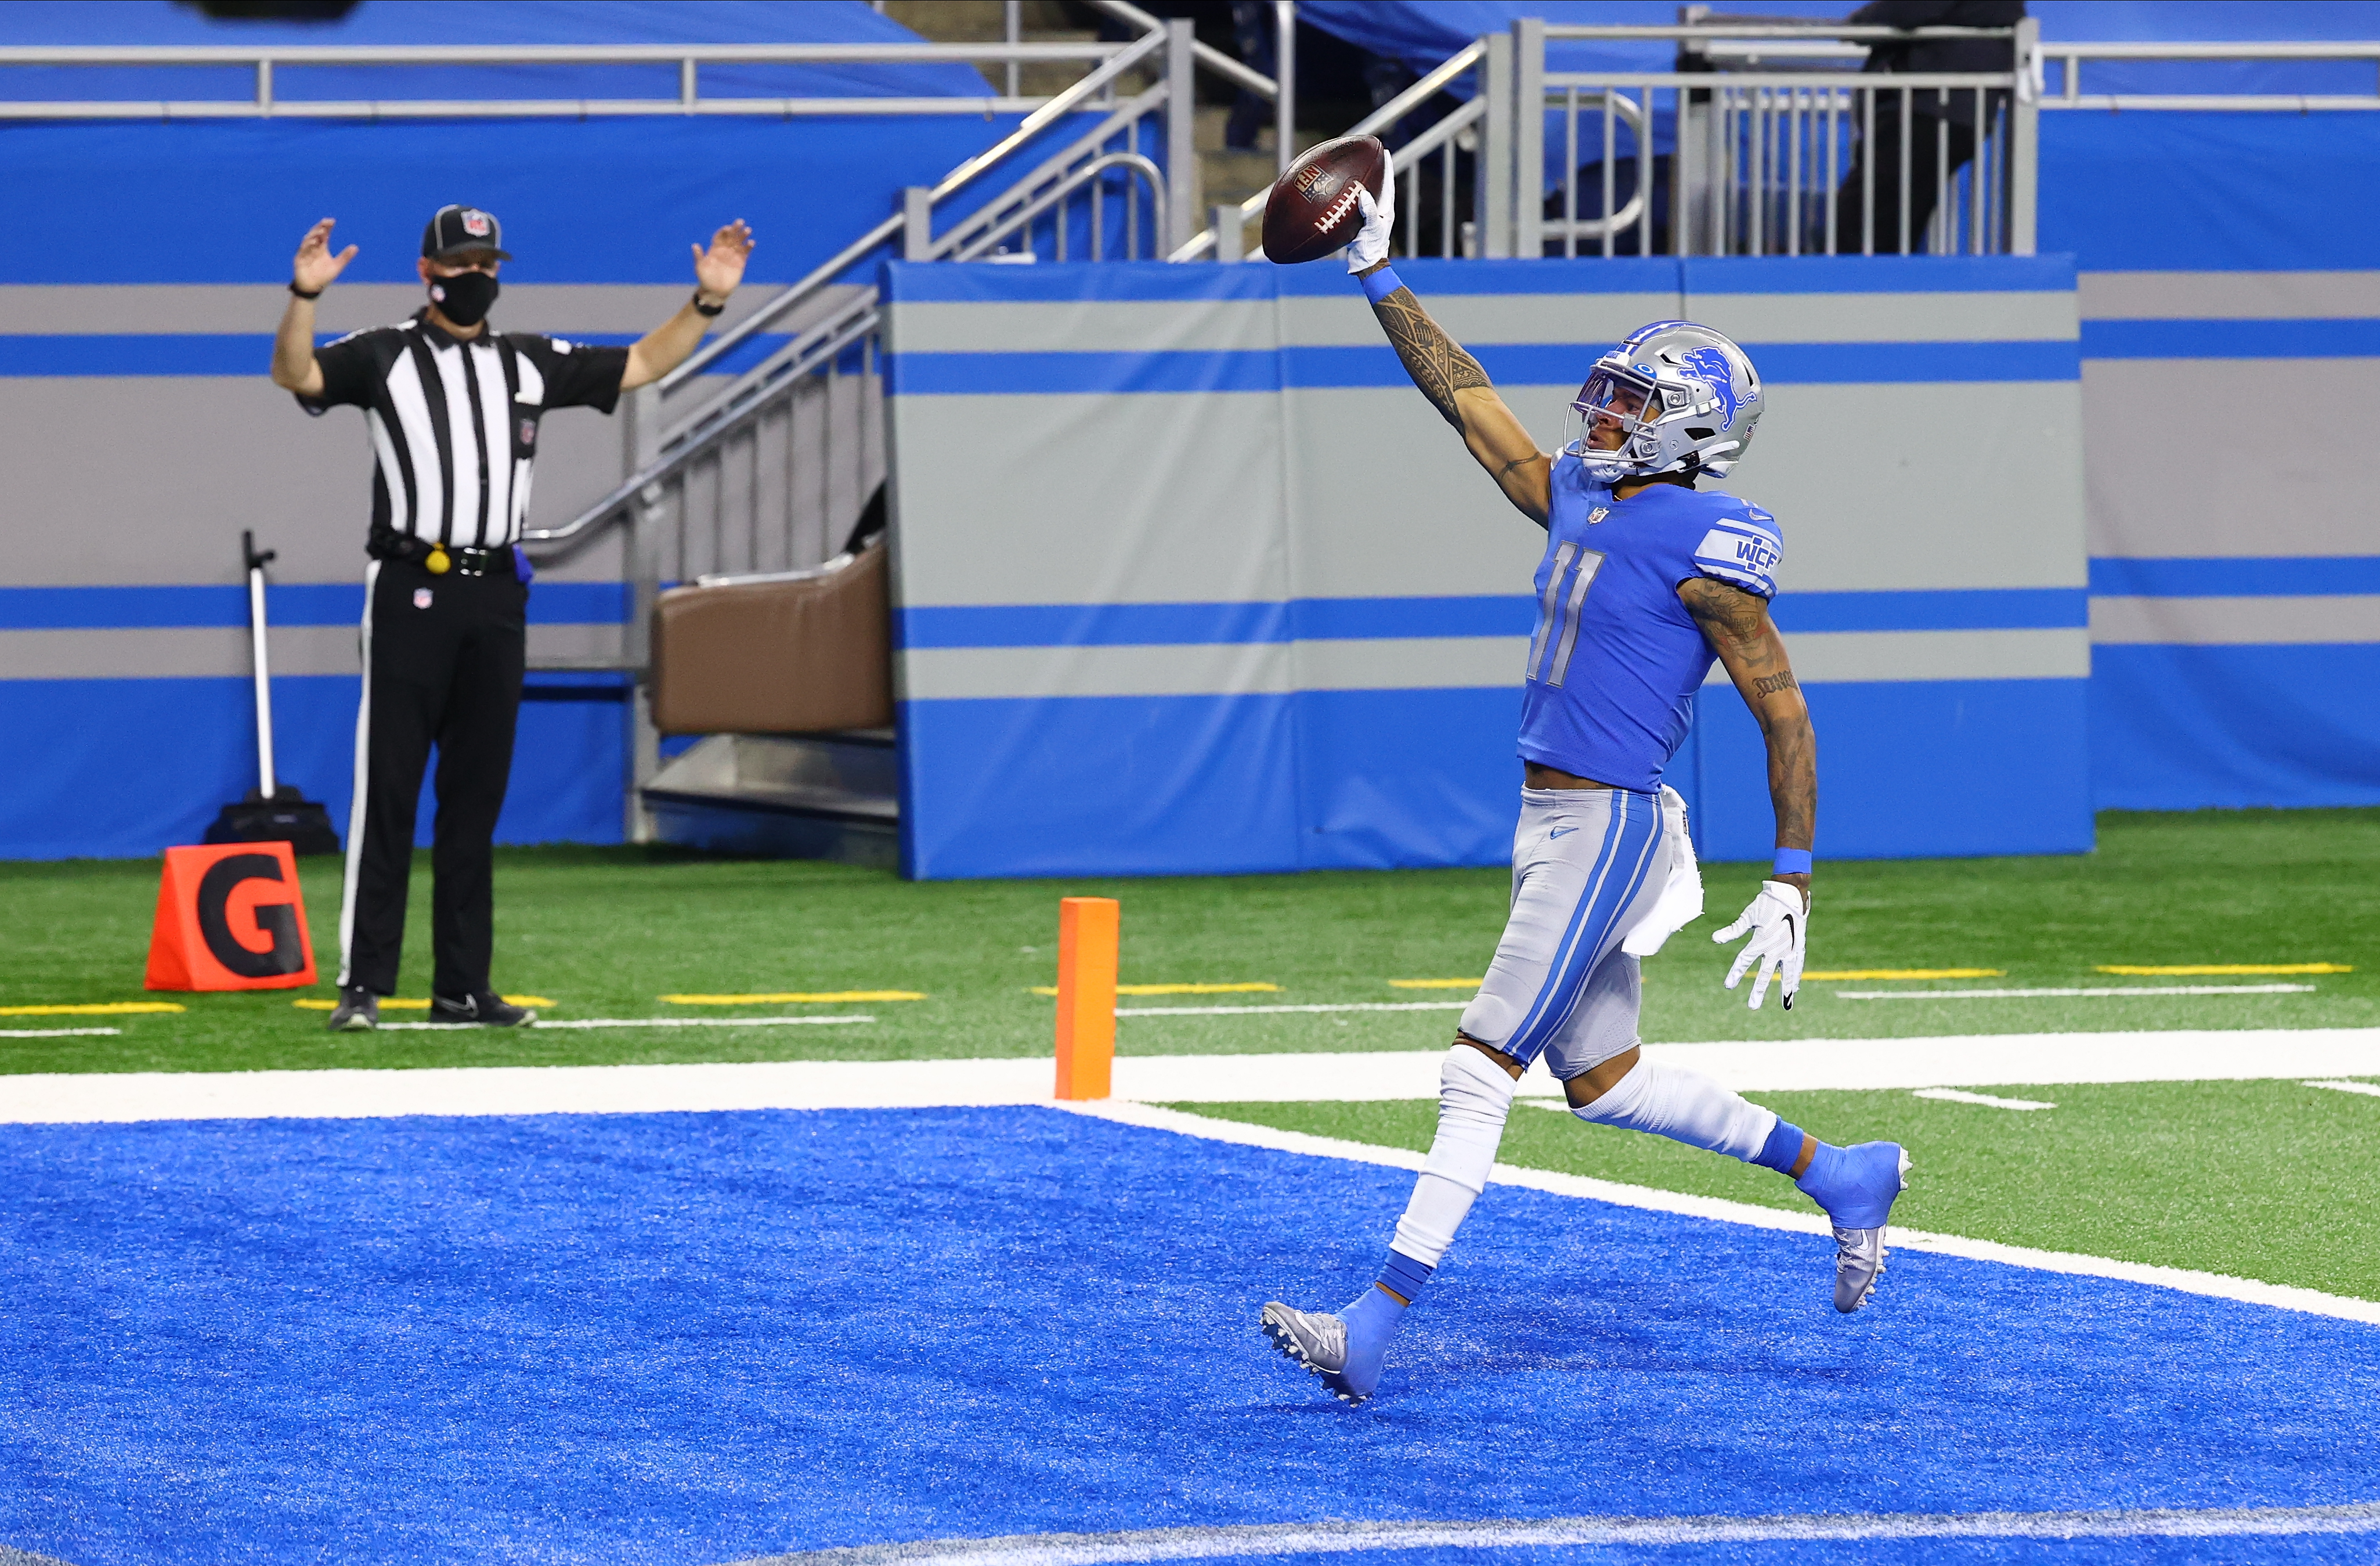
pixel 1859 1262
pixel 1315 1340
pixel 1858 1253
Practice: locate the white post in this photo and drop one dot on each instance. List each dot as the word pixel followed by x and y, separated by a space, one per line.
pixel 1529 136
pixel 2024 140
pixel 264 682
pixel 640 548
pixel 1494 179
pixel 1181 214
pixel 917 223
pixel 1013 17
pixel 1231 241
pixel 1284 59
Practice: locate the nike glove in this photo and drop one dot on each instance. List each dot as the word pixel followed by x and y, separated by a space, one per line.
pixel 1779 923
pixel 1371 244
pixel 1680 902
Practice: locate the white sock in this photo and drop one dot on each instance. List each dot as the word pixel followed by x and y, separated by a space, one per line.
pixel 1685 1106
pixel 1473 1097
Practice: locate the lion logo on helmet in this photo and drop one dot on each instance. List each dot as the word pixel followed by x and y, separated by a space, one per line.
pixel 1710 366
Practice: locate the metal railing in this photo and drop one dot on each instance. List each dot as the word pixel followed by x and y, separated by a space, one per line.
pixel 2070 57
pixel 768 473
pixel 268 99
pixel 1770 149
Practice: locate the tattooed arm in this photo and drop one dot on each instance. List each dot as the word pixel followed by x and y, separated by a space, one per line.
pixel 1736 624
pixel 1461 391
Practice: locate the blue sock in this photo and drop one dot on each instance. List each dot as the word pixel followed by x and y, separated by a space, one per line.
pixel 1404 1276
pixel 1784 1148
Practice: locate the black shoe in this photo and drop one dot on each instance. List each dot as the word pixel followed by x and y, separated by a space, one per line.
pixel 358 1010
pixel 479 1010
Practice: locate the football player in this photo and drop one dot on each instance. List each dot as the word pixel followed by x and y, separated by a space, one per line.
pixel 1645 579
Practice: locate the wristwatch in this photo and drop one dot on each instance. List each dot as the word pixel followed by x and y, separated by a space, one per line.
pixel 701 308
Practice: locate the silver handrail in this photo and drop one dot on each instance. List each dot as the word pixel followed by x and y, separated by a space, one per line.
pixel 264 103
pixel 1388 113
pixel 718 423
pixel 1124 59
pixel 1146 167
pixel 1207 54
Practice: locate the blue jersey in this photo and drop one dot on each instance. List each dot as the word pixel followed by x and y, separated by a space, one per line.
pixel 1616 660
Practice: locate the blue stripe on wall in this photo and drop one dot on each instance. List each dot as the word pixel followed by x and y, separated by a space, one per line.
pixel 1953 609
pixel 1367 619
pixel 1524 364
pixel 2231 339
pixel 2301 576
pixel 294 603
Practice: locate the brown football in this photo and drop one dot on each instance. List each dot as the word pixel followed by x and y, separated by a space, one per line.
pixel 1312 210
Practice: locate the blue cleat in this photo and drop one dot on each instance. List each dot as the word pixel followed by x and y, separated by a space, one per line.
pixel 1347 1350
pixel 1857 1186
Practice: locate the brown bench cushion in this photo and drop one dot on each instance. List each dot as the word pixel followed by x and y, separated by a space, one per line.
pixel 794 657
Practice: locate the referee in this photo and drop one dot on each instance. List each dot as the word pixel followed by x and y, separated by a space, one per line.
pixel 452 408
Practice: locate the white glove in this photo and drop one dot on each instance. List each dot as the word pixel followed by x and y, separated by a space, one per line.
pixel 1680 902
pixel 1371 243
pixel 1779 923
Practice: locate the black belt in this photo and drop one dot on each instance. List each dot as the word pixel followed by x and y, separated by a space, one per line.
pixel 438 559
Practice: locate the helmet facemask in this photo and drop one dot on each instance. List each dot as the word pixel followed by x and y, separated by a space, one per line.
pixel 1611 423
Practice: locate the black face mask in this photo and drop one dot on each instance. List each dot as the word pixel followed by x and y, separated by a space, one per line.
pixel 465 298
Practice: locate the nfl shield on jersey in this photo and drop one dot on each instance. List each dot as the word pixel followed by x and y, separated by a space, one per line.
pixel 1616 660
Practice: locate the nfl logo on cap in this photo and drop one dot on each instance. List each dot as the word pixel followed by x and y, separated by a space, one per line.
pixel 458 227
pixel 476 225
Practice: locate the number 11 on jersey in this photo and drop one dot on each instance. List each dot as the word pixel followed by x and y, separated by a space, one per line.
pixel 1558 613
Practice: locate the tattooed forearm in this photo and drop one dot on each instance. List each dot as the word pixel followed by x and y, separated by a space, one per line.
pixel 1770 685
pixel 1437 362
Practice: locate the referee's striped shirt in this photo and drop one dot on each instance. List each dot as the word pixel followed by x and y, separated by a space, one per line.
pixel 454 424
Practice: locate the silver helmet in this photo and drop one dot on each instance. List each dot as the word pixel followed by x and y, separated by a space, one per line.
pixel 1679 398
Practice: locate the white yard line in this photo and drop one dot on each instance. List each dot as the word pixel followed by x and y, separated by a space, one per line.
pixel 2101 994
pixel 1233 1541
pixel 60 1032
pixel 2281 1296
pixel 2367 1087
pixel 1971 1061
pixel 1960 1096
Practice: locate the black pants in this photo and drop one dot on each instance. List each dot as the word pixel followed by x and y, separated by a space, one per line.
pixel 442 662
pixel 1921 146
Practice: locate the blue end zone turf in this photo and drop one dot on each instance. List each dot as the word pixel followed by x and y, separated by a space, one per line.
pixel 691 1339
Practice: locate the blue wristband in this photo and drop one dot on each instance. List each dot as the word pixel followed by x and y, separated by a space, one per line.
pixel 1790 862
pixel 1378 286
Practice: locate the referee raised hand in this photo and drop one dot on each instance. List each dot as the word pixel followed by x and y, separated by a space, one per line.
pixel 452 408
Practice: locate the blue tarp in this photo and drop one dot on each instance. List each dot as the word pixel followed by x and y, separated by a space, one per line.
pixel 604 200
pixel 488 22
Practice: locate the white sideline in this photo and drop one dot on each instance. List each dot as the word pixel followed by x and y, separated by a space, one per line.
pixel 1276 1539
pixel 2282 1297
pixel 1973 1060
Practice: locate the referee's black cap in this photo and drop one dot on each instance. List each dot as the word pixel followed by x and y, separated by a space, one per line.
pixel 464 228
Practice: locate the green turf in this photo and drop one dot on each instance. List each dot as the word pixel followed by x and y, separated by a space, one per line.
pixel 605 932
pixel 2265 1180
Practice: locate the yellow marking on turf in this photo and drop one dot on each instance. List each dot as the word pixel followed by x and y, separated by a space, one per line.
pixel 1180 989
pixel 795 997
pixel 2228 968
pixel 1436 983
pixel 97 1009
pixel 1906 973
pixel 391 1004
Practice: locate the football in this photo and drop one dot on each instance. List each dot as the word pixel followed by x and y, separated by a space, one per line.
pixel 1312 210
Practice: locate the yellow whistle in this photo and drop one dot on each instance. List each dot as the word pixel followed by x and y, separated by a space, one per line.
pixel 438 565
